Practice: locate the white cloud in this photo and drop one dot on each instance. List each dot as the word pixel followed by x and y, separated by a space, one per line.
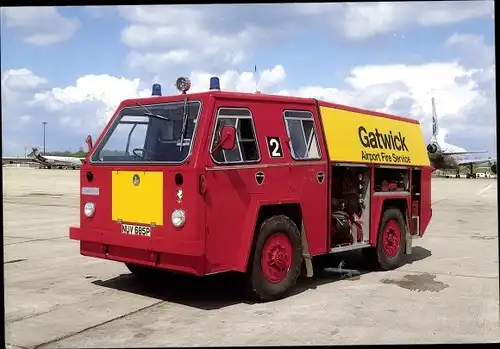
pixel 154 62
pixel 472 49
pixel 95 97
pixel 161 36
pixel 16 82
pixel 272 77
pixel 211 36
pixel 422 83
pixel 232 80
pixel 21 79
pixel 26 118
pixel 323 93
pixel 40 26
pixel 365 20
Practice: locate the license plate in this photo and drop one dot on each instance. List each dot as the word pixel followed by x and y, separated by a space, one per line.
pixel 136 230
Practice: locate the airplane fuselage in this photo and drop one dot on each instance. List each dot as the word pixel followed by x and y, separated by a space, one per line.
pixel 57 161
pixel 443 162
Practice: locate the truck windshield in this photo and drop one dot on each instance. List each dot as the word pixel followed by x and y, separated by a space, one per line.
pixel 150 133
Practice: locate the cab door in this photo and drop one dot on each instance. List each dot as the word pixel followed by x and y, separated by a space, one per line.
pixel 231 182
pixel 308 173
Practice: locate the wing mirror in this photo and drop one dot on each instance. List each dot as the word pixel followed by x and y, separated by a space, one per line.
pixel 228 137
pixel 88 140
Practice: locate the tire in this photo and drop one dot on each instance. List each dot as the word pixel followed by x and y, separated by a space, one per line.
pixel 391 242
pixel 142 272
pixel 278 242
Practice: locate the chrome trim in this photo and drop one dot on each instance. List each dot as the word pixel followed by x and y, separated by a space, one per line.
pixel 393 167
pixel 352 247
pixel 345 164
pixel 315 127
pixel 263 166
pixel 391 193
pixel 90 191
pixel 235 125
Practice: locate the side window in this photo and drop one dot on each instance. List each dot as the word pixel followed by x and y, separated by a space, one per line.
pixel 245 147
pixel 302 133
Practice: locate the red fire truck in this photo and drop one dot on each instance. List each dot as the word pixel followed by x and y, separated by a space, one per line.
pixel 260 184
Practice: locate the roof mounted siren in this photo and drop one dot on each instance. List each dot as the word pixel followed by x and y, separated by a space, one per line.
pixel 156 90
pixel 183 85
pixel 214 84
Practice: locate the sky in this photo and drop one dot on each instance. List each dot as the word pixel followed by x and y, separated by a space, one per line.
pixel 72 66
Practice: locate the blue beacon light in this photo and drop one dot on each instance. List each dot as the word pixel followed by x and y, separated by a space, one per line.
pixel 156 90
pixel 214 83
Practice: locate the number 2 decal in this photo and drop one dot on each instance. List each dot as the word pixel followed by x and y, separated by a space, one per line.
pixel 274 147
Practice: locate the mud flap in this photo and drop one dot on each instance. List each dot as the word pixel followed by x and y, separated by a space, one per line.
pixel 408 240
pixel 305 252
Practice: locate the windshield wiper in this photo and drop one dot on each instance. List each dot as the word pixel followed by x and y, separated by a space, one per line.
pixel 150 113
pixel 184 122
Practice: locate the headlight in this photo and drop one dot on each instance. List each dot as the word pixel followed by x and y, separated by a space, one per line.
pixel 178 218
pixel 89 209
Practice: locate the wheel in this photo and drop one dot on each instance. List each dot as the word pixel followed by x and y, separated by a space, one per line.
pixel 390 251
pixel 277 259
pixel 143 272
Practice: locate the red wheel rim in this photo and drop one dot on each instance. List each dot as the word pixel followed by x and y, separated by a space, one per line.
pixel 391 238
pixel 276 258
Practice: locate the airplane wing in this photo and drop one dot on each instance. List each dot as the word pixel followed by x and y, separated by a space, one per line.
pixel 464 152
pixel 17 159
pixel 477 161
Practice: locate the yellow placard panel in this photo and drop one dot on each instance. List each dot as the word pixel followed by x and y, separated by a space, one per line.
pixel 139 201
pixel 358 137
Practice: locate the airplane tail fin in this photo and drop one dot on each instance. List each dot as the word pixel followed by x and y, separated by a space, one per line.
pixel 38 156
pixel 434 119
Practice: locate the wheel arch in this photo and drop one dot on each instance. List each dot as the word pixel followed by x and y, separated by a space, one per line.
pixel 255 216
pixel 400 203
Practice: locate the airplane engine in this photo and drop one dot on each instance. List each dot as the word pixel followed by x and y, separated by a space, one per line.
pixel 493 168
pixel 432 148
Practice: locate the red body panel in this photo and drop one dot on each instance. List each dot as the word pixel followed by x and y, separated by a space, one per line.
pixel 426 197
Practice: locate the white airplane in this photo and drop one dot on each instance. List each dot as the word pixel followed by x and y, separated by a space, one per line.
pixel 50 161
pixel 444 156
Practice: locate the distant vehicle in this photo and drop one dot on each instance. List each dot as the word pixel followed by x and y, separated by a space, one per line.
pixel 50 161
pixel 444 156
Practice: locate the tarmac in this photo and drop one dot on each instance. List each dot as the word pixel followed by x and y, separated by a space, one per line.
pixel 448 292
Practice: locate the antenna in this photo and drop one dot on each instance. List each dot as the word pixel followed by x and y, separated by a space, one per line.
pixel 256 79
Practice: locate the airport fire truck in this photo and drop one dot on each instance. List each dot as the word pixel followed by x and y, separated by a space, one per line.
pixel 218 181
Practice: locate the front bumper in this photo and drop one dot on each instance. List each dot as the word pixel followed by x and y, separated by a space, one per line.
pixel 168 252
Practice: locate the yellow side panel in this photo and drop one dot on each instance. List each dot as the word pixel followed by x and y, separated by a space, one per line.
pixel 356 137
pixel 142 203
